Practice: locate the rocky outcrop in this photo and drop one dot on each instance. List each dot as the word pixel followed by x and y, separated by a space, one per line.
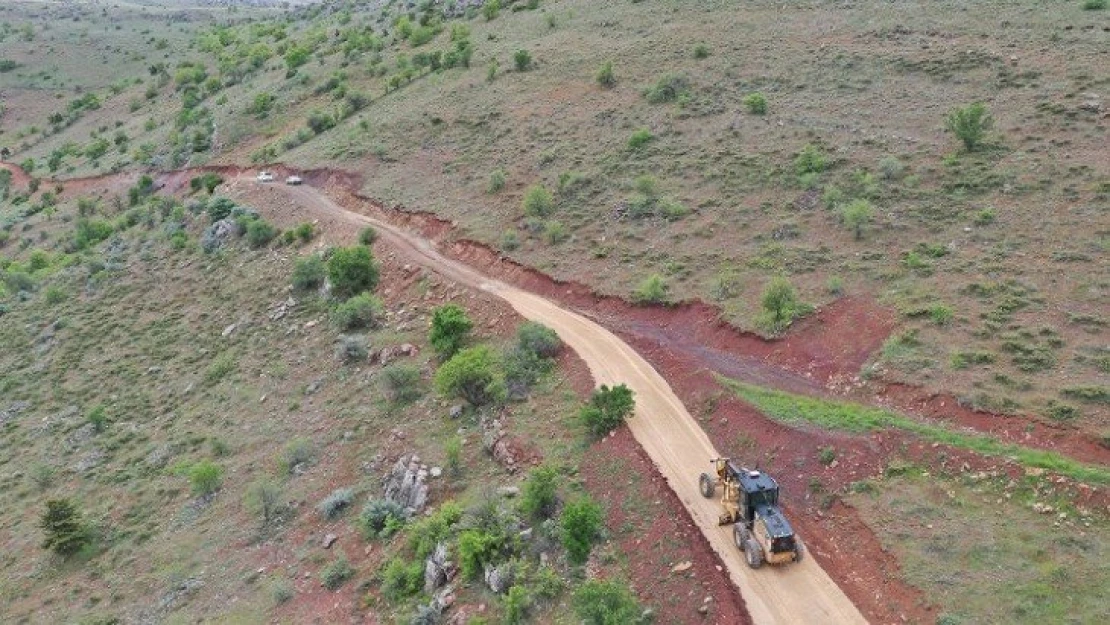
pixel 405 484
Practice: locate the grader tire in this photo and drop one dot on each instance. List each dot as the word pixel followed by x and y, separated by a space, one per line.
pixel 753 553
pixel 799 549
pixel 706 485
pixel 738 536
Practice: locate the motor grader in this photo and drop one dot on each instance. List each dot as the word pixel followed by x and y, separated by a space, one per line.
pixel 749 501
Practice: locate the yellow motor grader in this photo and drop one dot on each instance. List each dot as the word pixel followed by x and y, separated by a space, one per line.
pixel 750 502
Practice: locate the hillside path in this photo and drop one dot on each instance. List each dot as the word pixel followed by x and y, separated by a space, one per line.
pixel 789 594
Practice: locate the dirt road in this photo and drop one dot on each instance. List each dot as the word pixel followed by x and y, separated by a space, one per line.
pixel 798 593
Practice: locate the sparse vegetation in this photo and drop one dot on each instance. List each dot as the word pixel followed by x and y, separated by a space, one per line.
pixel 352 270
pixel 970 124
pixel 451 328
pixel 607 409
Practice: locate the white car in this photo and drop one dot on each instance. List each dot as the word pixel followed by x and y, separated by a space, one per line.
pixel 293 180
pixel 265 176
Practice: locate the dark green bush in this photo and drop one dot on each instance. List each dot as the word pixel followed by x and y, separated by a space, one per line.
pixel 402 383
pixel 523 60
pixel 472 374
pixel 402 579
pixel 206 477
pixel 970 124
pixel 538 201
pixel 352 270
pixel 220 208
pixel 605 76
pixel 538 499
pixel 381 518
pixel 361 311
pixel 538 339
pixel 581 524
pixel 335 574
pixel 652 290
pixel 450 330
pixel 309 273
pixel 65 531
pixel 667 89
pixel 260 233
pixel 607 409
pixel 606 602
pixel 367 236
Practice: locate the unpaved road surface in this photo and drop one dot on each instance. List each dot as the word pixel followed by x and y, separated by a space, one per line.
pixel 794 593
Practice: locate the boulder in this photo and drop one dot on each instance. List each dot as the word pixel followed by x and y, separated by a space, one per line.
pixel 435 569
pixel 405 485
pixel 218 234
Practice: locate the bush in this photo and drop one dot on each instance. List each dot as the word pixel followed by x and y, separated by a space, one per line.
pixel 335 503
pixel 606 602
pixel 260 233
pixel 367 236
pixel 970 124
pixel 90 232
pixel 667 89
pixel 450 329
pixel 336 574
pixel 352 270
pixel 309 273
pixel 581 524
pixel 538 499
pixel 297 452
pixel 701 51
pixel 206 477
pixel 219 208
pixel 826 455
pixel 538 201
pixel 651 290
pixel 319 122
pixel 756 103
pixel 940 314
pixel 1094 5
pixel 351 349
pixel 281 590
pixel 554 232
pixel 207 181
pixel 402 383
pixel 516 604
pixel 473 375
pixel 538 339
pixel 97 418
pixel 640 138
pixel 361 311
pixel 605 76
pixel 401 579
pixel 523 60
pixel 66 532
pixel 491 9
pixel 425 534
pixel 264 497
pixel 780 306
pixel 381 518
pixel 477 548
pixel 496 181
pixel 811 160
pixel 452 451
pixel 607 409
pixel 856 215
pixel 304 232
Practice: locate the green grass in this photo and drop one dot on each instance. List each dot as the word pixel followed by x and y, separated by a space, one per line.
pixel 857 419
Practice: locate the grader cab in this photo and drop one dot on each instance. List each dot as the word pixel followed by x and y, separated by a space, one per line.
pixel 749 501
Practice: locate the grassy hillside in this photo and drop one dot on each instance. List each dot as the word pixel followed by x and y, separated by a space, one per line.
pixel 844 179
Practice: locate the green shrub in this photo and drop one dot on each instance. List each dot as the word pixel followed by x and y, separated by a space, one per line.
pixel 54 295
pixel 640 138
pixel 940 314
pixel 1061 412
pixel 402 383
pixel 756 103
pixel 381 518
pixel 309 273
pixel 401 579
pixel 1092 393
pixel 367 236
pixel 361 311
pixel 605 76
pixel 1094 5
pixel 207 181
pixel 452 451
pixel 811 160
pixel 97 418
pixel 651 290
pixel 780 306
pixel 496 181
pixel 264 498
pixel 581 524
pixel 219 208
pixel 65 531
pixel 554 232
pixel 970 124
pixel 963 360
pixel 319 122
pixel 450 330
pixel 91 231
pixel 281 590
pixel 538 339
pixel 335 503
pixel 335 574
pixel 477 548
pixel 606 602
pixel 538 499
pixel 304 232
pixel 856 215
pixel 667 88
pixel 491 9
pixel 297 452
pixel 352 270
pixel 827 455
pixel 516 605
pixel 206 477
pixel 472 374
pixel 425 534
pixel 538 201
pixel 701 51
pixel 17 281
pixel 522 60
pixel 607 409
pixel 260 233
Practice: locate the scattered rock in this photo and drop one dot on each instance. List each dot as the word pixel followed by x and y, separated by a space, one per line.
pixel 508 491
pixel 218 234
pixel 13 410
pixel 229 330
pixel 329 540
pixel 436 471
pixel 314 386
pixel 703 609
pixel 682 567
pixel 498 578
pixel 456 411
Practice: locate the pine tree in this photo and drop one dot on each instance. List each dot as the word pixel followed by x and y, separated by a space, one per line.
pixel 66 533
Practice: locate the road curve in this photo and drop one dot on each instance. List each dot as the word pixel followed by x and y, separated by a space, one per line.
pixel 789 594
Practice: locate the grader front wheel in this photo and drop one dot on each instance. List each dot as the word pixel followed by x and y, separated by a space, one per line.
pixel 706 485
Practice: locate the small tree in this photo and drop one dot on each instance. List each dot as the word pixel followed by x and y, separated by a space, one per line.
pixel 491 9
pixel 606 602
pixel 538 499
pixel 605 76
pixel 811 160
pixel 581 523
pixel 970 124
pixel 206 477
pixel 523 60
pixel 856 215
pixel 607 409
pixel 450 329
pixel 265 498
pixel 308 273
pixel 66 533
pixel 538 339
pixel 473 375
pixel 367 236
pixel 538 201
pixel 780 306
pixel 352 270
pixel 756 103
pixel 652 290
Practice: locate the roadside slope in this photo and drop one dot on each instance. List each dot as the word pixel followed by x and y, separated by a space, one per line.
pixel 801 593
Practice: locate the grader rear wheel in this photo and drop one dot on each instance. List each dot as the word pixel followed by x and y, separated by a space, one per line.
pixel 706 485
pixel 753 553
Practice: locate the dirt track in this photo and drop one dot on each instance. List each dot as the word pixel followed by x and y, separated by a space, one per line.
pixel 799 593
